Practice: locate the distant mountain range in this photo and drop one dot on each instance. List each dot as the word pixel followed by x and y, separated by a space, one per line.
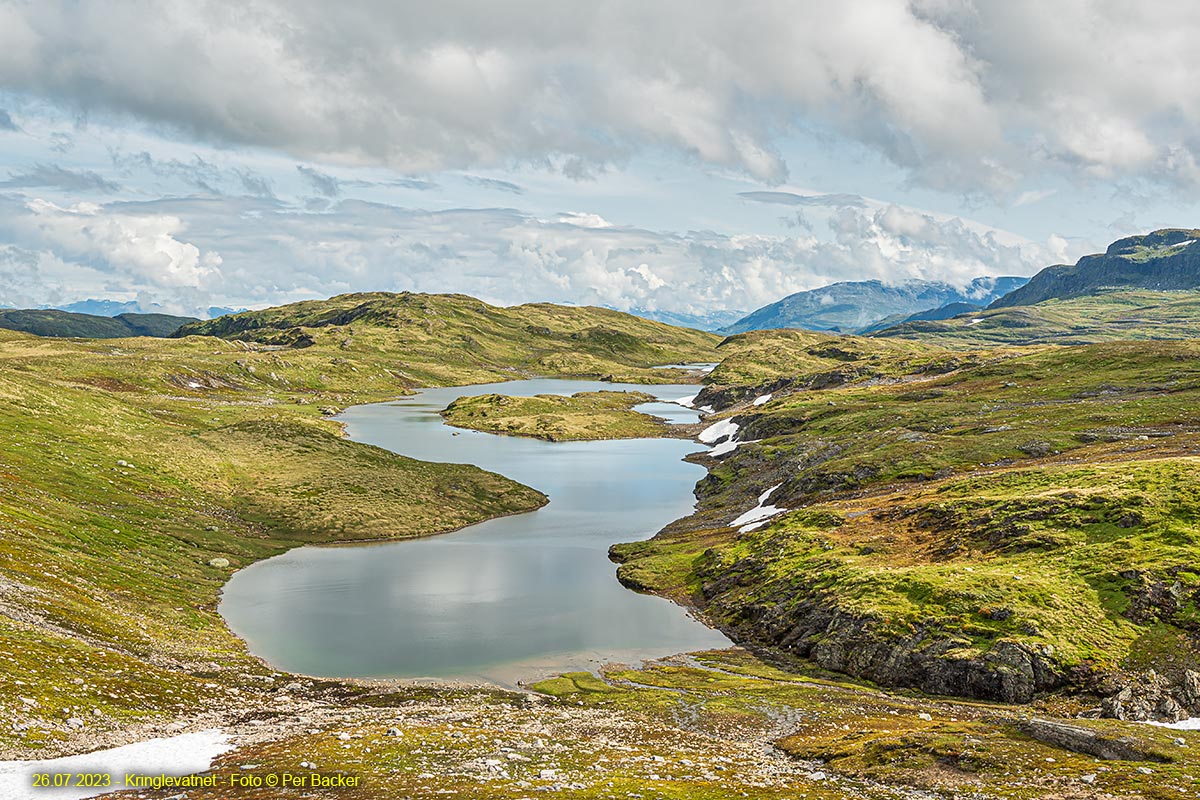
pixel 858 306
pixel 104 308
pixel 712 321
pixel 113 308
pixel 52 322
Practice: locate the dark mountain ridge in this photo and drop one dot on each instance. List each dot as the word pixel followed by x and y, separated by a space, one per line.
pixel 1161 260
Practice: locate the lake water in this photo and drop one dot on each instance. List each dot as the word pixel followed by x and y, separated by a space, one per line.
pixel 509 598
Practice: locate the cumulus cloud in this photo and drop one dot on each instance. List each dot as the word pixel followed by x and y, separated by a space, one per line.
pixel 190 253
pixel 963 95
pixel 116 248
pixel 54 176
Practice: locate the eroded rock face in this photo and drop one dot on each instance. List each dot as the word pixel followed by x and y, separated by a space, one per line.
pixel 1010 671
pixel 1153 697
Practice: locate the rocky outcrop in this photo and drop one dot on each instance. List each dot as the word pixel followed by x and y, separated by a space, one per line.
pixel 1079 739
pixel 934 662
pixel 1150 696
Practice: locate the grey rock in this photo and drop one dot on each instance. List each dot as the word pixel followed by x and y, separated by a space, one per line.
pixel 1153 697
pixel 1079 739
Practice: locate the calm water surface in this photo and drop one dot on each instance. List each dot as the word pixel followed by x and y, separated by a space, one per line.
pixel 508 598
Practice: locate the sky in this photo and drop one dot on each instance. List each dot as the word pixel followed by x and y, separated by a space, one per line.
pixel 678 155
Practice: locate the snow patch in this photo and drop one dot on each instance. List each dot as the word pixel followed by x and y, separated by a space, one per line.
pixel 1192 724
pixel 758 401
pixel 686 402
pixel 178 755
pixel 717 430
pixel 725 429
pixel 706 409
pixel 758 516
pixel 727 446
pixel 976 321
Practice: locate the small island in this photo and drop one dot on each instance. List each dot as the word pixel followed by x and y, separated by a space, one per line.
pixel 556 418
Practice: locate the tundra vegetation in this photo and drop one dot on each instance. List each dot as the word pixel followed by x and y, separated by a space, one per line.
pixel 582 416
pixel 995 523
pixel 944 503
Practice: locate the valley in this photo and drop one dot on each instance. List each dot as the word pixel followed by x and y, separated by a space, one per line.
pixel 956 567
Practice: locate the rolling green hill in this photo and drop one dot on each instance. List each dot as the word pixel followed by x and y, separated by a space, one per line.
pixel 1102 316
pixel 995 523
pixel 50 322
pixel 441 339
pixel 136 475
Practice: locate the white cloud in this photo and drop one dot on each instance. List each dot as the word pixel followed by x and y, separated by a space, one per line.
pixel 963 95
pixel 189 253
pixel 65 252
pixel 584 220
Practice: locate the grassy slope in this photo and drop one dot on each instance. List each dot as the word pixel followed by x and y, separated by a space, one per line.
pixel 104 573
pixel 1044 497
pixel 584 415
pixel 1102 317
pixel 114 605
pixel 443 339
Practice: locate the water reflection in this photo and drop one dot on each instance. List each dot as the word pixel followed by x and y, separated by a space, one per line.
pixel 510 596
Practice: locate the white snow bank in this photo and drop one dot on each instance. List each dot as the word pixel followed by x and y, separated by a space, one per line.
pixel 766 398
pixel 976 321
pixel 686 402
pixel 178 755
pixel 720 430
pixel 755 517
pixel 1192 724
pixel 725 427
pixel 727 446
pixel 706 409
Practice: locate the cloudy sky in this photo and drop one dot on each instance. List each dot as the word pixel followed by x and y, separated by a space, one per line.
pixel 682 155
